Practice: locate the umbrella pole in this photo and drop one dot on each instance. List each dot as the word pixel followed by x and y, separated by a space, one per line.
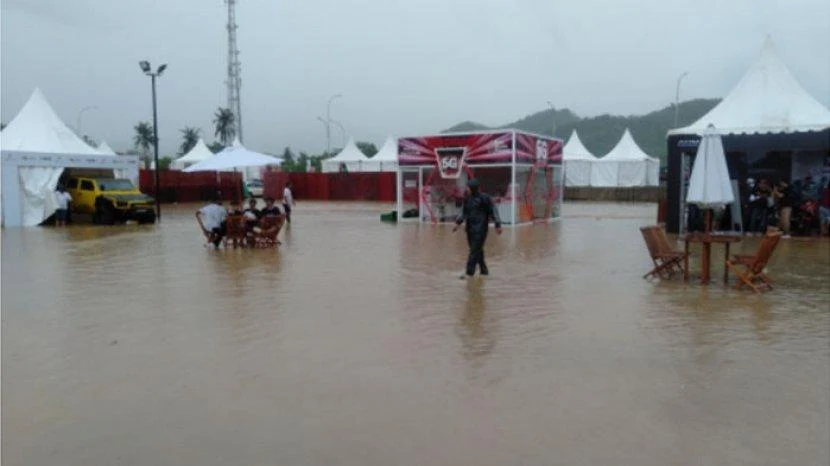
pixel 708 220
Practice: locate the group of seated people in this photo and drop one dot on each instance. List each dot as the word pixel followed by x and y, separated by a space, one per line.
pixel 243 227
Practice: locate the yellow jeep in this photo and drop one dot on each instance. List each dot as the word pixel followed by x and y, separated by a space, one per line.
pixel 110 200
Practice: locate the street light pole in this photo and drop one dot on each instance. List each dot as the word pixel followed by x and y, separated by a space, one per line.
pixel 328 122
pixel 80 115
pixel 553 117
pixel 145 66
pixel 677 97
pixel 342 132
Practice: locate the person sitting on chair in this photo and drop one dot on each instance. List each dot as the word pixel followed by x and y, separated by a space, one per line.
pixel 270 208
pixel 212 220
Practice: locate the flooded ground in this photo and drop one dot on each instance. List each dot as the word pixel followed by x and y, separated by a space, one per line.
pixel 357 344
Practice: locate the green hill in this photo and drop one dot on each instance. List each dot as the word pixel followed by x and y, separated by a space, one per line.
pixel 601 133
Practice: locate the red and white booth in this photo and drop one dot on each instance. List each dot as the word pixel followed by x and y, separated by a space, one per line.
pixel 521 171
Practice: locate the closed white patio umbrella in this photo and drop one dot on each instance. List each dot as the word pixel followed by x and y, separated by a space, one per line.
pixel 709 185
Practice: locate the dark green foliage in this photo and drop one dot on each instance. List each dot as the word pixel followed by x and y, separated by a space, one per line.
pixel 601 133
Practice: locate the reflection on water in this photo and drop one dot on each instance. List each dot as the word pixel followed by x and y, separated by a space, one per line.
pixel 355 343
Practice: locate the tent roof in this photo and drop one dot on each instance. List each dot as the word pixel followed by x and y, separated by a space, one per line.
pixel 767 99
pixel 575 150
pixel 196 154
pixel 350 153
pixel 105 148
pixel 235 156
pixel 626 149
pixel 389 151
pixel 37 128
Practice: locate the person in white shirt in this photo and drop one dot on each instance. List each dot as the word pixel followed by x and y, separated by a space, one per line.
pixel 287 201
pixel 62 213
pixel 212 220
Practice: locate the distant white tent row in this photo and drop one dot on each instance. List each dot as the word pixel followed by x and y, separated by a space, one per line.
pixel 626 165
pixel 352 159
pixel 198 153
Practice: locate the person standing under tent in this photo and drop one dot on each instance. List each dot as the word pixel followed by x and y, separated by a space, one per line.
pixel 476 212
pixel 287 201
pixel 62 213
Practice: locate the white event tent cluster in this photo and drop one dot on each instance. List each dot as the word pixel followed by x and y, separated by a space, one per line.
pixel 351 159
pixel 36 148
pixel 626 165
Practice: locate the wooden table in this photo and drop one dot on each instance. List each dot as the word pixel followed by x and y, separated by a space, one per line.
pixel 707 239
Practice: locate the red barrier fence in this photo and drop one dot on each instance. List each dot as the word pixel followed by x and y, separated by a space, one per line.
pixel 333 186
pixel 177 186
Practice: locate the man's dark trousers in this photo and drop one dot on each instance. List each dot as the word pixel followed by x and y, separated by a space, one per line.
pixel 476 257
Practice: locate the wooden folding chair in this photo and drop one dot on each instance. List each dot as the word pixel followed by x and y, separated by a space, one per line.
pixel 665 258
pixel 269 228
pixel 235 231
pixel 750 269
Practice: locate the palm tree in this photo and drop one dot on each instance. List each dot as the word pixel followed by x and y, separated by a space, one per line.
pixel 225 125
pixel 143 139
pixel 190 136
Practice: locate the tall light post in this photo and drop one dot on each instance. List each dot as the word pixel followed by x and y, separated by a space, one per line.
pixel 553 117
pixel 328 122
pixel 336 123
pixel 80 115
pixel 145 67
pixel 677 97
pixel 342 132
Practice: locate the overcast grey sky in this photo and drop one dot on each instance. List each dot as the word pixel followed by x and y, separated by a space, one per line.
pixel 405 67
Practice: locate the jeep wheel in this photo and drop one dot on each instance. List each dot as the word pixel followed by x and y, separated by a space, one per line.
pixel 149 217
pixel 104 213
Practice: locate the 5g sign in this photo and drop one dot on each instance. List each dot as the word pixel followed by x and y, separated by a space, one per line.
pixel 449 163
pixel 450 160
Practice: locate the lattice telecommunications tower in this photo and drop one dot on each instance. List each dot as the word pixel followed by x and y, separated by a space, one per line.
pixel 234 81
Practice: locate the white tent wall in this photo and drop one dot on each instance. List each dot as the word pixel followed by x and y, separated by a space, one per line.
pixel 604 174
pixel 37 189
pixel 653 173
pixel 578 162
pixel 632 173
pixel 578 172
pixel 353 159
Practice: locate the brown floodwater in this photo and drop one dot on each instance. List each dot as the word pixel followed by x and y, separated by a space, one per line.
pixel 356 344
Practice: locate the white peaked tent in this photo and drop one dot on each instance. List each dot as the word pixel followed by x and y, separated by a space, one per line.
pixel 37 146
pixel 626 166
pixel 579 162
pixel 350 156
pixel 198 153
pixel 767 99
pixel 105 148
pixel 386 160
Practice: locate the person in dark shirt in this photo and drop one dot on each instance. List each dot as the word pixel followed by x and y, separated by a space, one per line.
pixel 476 212
pixel 270 208
pixel 784 196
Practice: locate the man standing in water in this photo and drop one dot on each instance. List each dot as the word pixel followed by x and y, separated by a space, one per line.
pixel 477 210
pixel 287 201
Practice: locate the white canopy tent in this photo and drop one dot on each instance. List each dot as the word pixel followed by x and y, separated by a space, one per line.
pixel 232 158
pixel 351 157
pixel 767 99
pixel 578 161
pixel 37 146
pixel 767 111
pixel 386 160
pixel 198 153
pixel 626 166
